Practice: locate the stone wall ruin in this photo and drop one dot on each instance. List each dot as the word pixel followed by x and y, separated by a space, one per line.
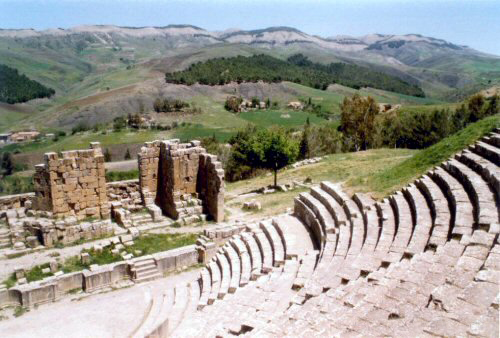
pixel 74 185
pixel 182 179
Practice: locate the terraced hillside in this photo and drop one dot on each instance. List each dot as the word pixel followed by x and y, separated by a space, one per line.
pixel 423 261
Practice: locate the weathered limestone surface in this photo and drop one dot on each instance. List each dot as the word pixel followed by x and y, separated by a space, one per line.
pixel 73 185
pixel 182 179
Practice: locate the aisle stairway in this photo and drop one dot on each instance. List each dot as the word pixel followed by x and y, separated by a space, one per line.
pixel 421 262
pixel 145 269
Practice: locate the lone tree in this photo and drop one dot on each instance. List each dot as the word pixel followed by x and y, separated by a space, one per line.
pixel 275 150
pixel 304 147
pixel 107 155
pixel 127 154
pixel 358 120
pixel 7 164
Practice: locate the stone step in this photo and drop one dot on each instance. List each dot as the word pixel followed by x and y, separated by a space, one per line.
pixel 144 268
pixel 225 274
pixel 241 256
pixel 460 204
pixel 422 217
pixel 488 170
pixel 275 241
pixel 148 276
pixel 156 324
pixel 307 216
pixel 440 210
pixel 205 283
pixel 215 275
pixel 144 261
pixel 255 254
pixel 331 204
pixel 265 249
pixel 388 228
pixel 481 196
pixel 404 226
pixel 487 151
pixel 235 266
pixel 320 211
pixel 181 303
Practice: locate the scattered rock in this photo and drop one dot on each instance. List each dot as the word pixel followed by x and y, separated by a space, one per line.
pixel 252 205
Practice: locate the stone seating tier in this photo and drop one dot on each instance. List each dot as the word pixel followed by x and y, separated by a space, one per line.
pixel 422 262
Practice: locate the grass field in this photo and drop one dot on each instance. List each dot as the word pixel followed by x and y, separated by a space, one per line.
pixel 394 178
pixel 285 118
pixel 350 168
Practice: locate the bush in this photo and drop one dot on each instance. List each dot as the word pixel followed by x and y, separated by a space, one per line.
pixel 80 127
pixel 119 123
pixel 232 104
pixel 166 105
pixel 112 176
pixel 10 185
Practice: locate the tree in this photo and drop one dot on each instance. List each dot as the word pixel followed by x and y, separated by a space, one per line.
pixel 7 164
pixel 255 102
pixel 358 120
pixel 232 104
pixel 127 154
pixel 158 105
pixel 304 149
pixel 475 105
pixel 273 150
pixel 107 155
pixel 119 123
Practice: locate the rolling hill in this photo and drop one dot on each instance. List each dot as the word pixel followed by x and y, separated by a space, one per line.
pixel 101 72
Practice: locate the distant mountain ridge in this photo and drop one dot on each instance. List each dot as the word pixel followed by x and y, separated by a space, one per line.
pixel 65 59
pixel 271 35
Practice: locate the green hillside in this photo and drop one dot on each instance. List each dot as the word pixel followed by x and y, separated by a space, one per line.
pixel 15 87
pixel 394 178
pixel 296 69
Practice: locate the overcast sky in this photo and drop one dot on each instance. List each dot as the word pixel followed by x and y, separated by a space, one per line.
pixel 475 23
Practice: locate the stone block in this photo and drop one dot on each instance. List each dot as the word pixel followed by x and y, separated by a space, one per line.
pixel 85 258
pixel 19 273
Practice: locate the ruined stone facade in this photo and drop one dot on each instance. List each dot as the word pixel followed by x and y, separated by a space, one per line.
pixel 182 179
pixel 74 185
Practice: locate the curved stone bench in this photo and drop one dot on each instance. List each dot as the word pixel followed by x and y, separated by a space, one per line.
pixel 256 257
pixel 215 277
pixel 422 216
pixel 205 287
pixel 488 170
pixel 265 248
pixel 460 204
pixel 225 272
pixel 487 151
pixel 235 265
pixel 481 196
pixel 275 240
pixel 440 210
